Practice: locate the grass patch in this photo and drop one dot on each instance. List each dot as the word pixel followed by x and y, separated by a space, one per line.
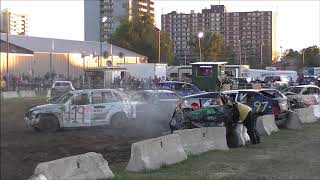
pixel 287 154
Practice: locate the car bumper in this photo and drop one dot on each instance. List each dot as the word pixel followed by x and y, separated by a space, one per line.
pixel 31 122
pixel 281 118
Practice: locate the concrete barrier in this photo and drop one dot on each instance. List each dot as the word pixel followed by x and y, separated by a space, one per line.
pixel 316 110
pixel 306 115
pixel 310 114
pixel 242 134
pixel 153 153
pixel 49 93
pixel 27 94
pixel 293 121
pixel 266 125
pixel 9 94
pixel 200 140
pixel 37 177
pixel 81 167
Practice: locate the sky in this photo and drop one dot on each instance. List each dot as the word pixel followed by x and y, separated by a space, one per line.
pixel 298 23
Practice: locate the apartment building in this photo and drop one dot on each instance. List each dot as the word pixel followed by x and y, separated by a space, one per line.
pixel 14 23
pixel 104 16
pixel 243 33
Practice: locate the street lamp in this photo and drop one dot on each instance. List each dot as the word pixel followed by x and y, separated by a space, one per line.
pixel 280 53
pixel 240 52
pixel 200 35
pixel 185 57
pixel 262 43
pixel 103 20
pixel 159 55
pixel 303 56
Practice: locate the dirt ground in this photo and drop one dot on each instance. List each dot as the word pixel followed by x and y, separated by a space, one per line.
pixel 22 148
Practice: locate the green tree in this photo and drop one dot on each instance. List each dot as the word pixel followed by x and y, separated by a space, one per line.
pixel 311 56
pixel 140 35
pixel 212 46
pixel 291 54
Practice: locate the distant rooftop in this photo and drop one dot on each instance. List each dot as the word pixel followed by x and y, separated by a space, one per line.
pixel 209 63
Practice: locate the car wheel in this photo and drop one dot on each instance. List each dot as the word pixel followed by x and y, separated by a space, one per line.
pixel 48 124
pixel 119 120
pixel 295 104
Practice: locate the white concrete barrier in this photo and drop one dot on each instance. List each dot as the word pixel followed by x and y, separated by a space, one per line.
pixel 242 134
pixel 49 93
pixel 27 94
pixel 200 140
pixel 153 153
pixel 9 94
pixel 89 166
pixel 266 125
pixel 306 115
pixel 293 121
pixel 37 177
pixel 316 110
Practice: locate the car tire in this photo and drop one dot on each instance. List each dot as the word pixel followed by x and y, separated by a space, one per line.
pixel 119 120
pixel 295 104
pixel 48 124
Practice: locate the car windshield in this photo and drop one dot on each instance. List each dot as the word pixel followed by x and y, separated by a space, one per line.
pixel 167 96
pixel 295 90
pixel 61 84
pixel 63 99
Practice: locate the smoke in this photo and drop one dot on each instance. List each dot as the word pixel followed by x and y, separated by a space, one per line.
pixel 152 119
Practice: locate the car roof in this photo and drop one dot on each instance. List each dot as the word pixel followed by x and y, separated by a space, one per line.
pixel 157 91
pixel 309 85
pixel 173 82
pixel 248 90
pixel 62 81
pixel 92 90
pixel 204 93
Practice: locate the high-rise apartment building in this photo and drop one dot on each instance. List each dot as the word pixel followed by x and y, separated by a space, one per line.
pixel 245 33
pixel 104 16
pixel 14 23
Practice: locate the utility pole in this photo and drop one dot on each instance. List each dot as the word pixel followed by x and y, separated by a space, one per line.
pixel 303 56
pixel 68 67
pixel 185 57
pixel 240 52
pixel 261 54
pixel 8 47
pixel 159 55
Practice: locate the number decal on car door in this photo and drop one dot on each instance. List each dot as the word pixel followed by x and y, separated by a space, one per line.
pixel 258 104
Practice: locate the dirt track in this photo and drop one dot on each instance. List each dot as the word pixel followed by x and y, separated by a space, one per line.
pixel 22 148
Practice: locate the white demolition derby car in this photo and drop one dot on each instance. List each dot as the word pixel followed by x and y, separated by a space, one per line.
pixel 81 108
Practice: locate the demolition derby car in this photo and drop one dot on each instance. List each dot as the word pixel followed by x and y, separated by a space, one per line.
pixel 262 102
pixel 81 108
pixel 303 95
pixel 202 110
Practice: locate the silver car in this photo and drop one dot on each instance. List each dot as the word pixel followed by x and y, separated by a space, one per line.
pixel 81 108
pixel 303 95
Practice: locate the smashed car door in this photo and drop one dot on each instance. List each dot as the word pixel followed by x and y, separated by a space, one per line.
pixel 79 111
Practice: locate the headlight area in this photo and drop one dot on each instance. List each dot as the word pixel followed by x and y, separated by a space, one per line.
pixel 31 118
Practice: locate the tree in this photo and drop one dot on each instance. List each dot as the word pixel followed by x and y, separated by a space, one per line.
pixel 140 35
pixel 291 54
pixel 212 46
pixel 311 56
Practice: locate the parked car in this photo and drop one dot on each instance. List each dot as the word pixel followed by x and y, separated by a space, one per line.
pixel 81 108
pixel 181 88
pixel 303 95
pixel 59 88
pixel 279 81
pixel 154 104
pixel 263 101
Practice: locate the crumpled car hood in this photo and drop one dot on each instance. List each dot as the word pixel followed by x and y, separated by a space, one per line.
pixel 47 107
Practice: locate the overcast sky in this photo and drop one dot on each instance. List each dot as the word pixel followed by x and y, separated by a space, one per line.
pixel 298 21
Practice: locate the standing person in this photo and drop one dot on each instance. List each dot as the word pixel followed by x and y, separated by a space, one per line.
pixel 243 113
